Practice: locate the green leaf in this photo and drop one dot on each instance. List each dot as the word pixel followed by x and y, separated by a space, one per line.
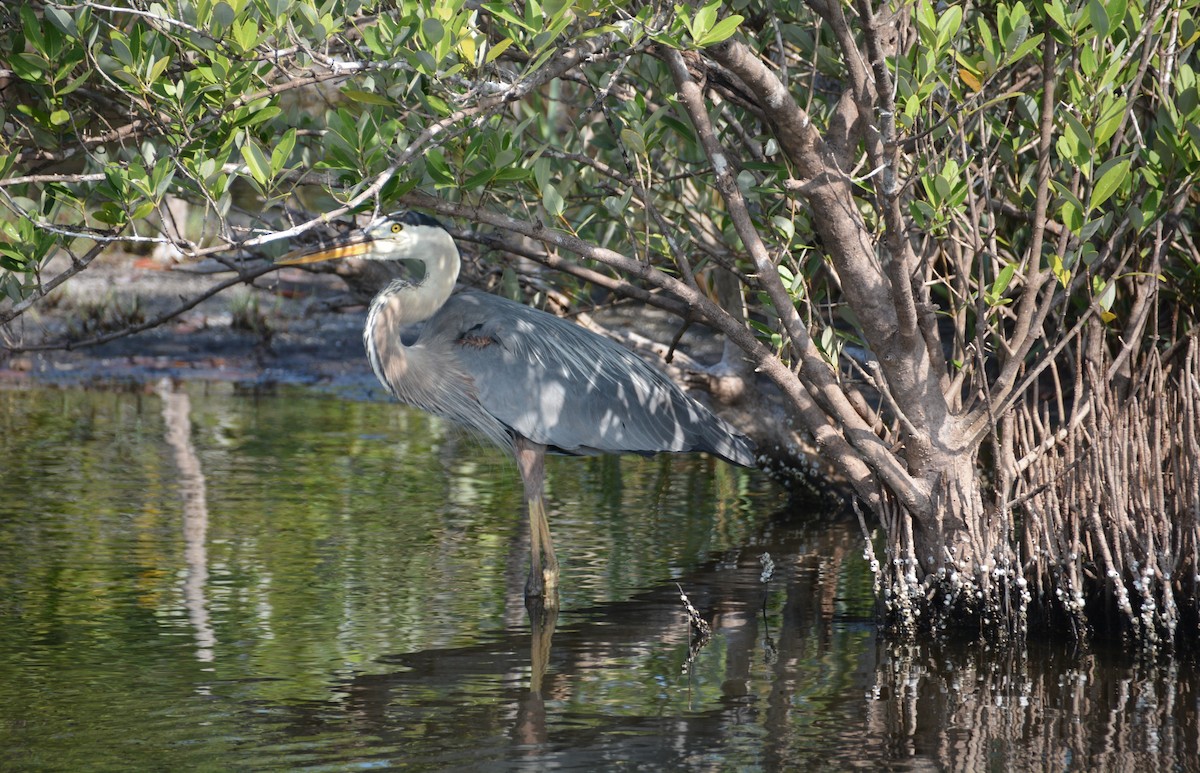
pixel 1070 210
pixel 246 33
pixel 948 25
pixel 437 104
pixel 830 345
pixel 368 98
pixel 1116 12
pixel 923 214
pixel 512 174
pixel 633 140
pixel 1111 176
pixel 155 71
pixel 618 207
pixel 60 19
pixel 1098 16
pixel 785 226
pixel 1075 143
pixel 261 115
pixel 703 21
pixel 161 177
pixel 553 201
pixel 282 152
pixel 33 27
pixel 501 10
pixel 28 67
pixel 1193 130
pixel 256 161
pixel 432 31
pixel 1060 271
pixel 1002 280
pixel 59 117
pixel 765 333
pixel 423 61
pixel 142 210
pixel 1056 12
pixel 1013 26
pixel 110 214
pixel 1023 50
pixel 479 179
pixel 723 30
pixel 1110 118
pixel 222 17
pixel 497 50
pixel 439 170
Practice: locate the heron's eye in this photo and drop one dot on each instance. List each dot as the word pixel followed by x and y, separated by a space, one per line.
pixel 397 228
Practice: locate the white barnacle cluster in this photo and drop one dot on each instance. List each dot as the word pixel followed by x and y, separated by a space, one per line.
pixel 1122 594
pixel 898 595
pixel 872 561
pixel 1023 587
pixel 1072 600
pixel 1151 618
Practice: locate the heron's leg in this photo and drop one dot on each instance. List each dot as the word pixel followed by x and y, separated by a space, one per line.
pixel 535 585
pixel 538 520
pixel 543 565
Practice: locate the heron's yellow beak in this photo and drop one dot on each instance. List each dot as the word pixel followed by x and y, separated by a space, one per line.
pixel 350 247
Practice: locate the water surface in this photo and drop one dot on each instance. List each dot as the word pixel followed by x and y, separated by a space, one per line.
pixel 198 579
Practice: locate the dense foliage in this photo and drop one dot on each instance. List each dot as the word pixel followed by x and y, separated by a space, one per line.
pixel 951 227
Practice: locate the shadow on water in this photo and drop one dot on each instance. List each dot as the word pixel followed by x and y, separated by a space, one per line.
pixel 191 579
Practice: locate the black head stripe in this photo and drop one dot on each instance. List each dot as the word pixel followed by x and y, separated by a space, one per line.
pixel 417 218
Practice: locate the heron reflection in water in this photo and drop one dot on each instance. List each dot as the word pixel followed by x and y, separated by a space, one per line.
pixel 525 379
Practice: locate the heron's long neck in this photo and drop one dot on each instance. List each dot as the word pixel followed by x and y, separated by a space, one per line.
pixel 401 304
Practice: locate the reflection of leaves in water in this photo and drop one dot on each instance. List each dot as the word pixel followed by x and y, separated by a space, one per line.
pixel 340 530
pixel 363 562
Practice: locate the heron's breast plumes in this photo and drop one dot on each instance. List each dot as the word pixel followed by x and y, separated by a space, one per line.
pixel 428 373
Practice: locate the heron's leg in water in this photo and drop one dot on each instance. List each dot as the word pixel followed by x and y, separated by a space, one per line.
pixel 543 565
pixel 538 522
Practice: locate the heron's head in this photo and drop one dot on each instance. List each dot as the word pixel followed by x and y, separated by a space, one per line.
pixel 403 236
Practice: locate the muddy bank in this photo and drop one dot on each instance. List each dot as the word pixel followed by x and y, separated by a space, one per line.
pixel 289 326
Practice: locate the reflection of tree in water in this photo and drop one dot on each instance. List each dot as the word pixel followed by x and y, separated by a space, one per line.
pixel 343 525
pixel 799 681
pixel 177 416
pixel 969 708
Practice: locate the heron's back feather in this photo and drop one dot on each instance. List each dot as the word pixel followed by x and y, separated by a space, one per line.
pixel 561 385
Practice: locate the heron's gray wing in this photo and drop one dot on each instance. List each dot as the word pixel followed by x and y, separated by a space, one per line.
pixel 559 384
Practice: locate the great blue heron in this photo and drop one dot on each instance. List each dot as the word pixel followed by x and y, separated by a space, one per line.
pixel 526 380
